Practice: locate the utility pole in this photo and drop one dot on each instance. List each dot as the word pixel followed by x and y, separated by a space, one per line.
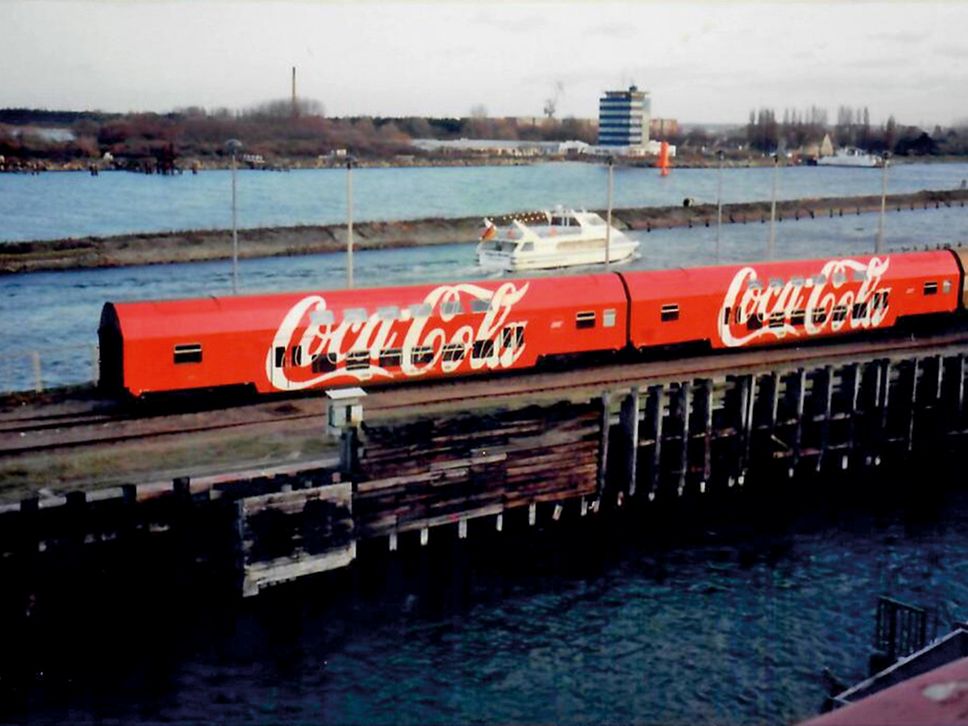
pixel 608 215
pixel 719 202
pixel 349 221
pixel 885 159
pixel 771 245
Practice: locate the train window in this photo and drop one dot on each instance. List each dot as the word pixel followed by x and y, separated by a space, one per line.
pixel 451 307
pixel 390 312
pixel 819 317
pixel 797 281
pixel 391 358
pixel 776 319
pixel 324 363
pixel 354 315
pixel 726 316
pixel 480 306
pixel 608 318
pixel 946 287
pixel 421 310
pixel 860 275
pixel 322 317
pixel 297 355
pixel 421 354
pixel 797 317
pixel 755 321
pixel 454 352
pixel 820 280
pixel 930 288
pixel 512 336
pixel 188 353
pixel 669 313
pixel 585 320
pixel 776 282
pixel 839 278
pixel 860 310
pixel 839 313
pixel 357 359
pixel 280 356
pixel 483 349
pixel 755 285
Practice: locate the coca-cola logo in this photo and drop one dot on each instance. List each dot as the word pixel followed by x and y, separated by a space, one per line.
pixel 842 294
pixel 419 335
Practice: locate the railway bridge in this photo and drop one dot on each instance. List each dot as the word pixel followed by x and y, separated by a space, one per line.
pixel 413 465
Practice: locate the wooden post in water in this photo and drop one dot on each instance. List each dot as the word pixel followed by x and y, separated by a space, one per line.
pixel 606 402
pixel 706 392
pixel 684 404
pixel 852 386
pixel 912 403
pixel 656 406
pixel 799 391
pixel 629 416
pixel 826 381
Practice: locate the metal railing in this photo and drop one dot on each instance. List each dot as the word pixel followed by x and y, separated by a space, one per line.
pixel 40 369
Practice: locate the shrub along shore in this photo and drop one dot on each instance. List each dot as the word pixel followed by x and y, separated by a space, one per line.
pixel 204 245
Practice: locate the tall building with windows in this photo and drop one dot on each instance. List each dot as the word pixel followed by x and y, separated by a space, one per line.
pixel 623 118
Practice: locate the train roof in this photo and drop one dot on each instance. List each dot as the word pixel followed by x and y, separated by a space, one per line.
pixel 215 314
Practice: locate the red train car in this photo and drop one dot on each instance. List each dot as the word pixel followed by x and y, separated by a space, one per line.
pixel 294 341
pixel 783 302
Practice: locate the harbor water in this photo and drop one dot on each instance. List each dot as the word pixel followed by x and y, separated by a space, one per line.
pixel 730 622
pixel 725 621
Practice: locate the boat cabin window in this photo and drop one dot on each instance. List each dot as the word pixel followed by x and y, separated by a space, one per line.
pixel 188 353
pixel 669 312
pixel 483 349
pixel 354 315
pixel 454 352
pixel 930 288
pixel 421 310
pixel 421 354
pixel 608 318
pixel 585 320
pixel 391 358
pixel 480 306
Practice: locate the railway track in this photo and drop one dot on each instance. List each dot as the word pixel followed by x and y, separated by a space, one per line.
pixel 105 423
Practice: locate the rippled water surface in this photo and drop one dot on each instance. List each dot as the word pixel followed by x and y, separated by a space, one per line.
pixel 69 204
pixel 592 627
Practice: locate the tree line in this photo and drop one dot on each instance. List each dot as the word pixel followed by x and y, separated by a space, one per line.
pixel 281 131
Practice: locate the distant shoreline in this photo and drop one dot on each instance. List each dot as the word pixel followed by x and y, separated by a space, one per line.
pixel 209 245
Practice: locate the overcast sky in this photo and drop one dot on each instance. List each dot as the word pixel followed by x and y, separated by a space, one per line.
pixel 701 62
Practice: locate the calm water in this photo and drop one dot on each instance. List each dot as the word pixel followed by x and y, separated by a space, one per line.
pixel 595 627
pixel 58 205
